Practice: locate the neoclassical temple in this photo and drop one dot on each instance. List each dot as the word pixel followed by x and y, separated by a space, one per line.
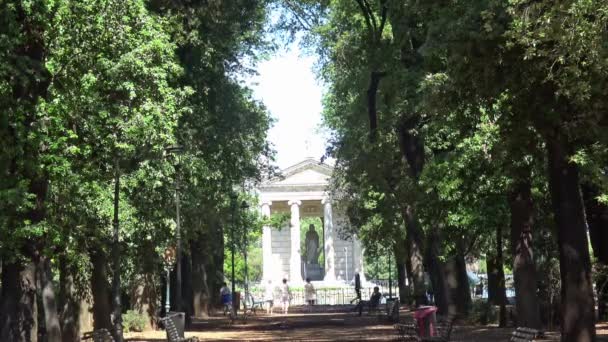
pixel 302 191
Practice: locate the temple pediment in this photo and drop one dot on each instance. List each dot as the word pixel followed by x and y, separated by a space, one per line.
pixel 309 172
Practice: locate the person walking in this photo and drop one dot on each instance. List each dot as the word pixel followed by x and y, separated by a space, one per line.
pixel 226 297
pixel 357 288
pixel 269 297
pixel 309 294
pixel 285 296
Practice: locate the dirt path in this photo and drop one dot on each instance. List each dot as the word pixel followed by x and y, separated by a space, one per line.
pixel 324 326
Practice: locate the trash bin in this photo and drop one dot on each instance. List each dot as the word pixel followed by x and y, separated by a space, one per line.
pixel 179 319
pixel 426 319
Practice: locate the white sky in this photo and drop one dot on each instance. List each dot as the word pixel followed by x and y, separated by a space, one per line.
pixel 286 85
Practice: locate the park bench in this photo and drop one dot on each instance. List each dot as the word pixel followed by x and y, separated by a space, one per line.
pixel 99 335
pixel 409 331
pixel 172 334
pixel 523 334
pixel 252 304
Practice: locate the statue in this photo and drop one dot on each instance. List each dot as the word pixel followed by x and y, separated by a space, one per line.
pixel 312 246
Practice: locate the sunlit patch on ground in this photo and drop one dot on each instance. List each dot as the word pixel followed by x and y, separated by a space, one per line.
pixel 334 326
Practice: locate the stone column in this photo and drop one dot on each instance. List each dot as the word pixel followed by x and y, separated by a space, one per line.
pixel 267 245
pixel 295 263
pixel 358 258
pixel 330 256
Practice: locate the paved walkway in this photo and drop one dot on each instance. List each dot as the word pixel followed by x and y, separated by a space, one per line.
pixel 323 326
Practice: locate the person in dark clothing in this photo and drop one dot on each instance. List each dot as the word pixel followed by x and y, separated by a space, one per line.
pixel 357 288
pixel 372 303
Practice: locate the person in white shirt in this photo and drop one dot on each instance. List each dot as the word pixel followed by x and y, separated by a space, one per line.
pixel 309 294
pixel 269 297
pixel 285 296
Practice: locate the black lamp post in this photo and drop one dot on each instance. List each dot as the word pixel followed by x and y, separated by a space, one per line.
pixel 233 198
pixel 390 279
pixel 245 206
pixel 177 151
pixel 169 259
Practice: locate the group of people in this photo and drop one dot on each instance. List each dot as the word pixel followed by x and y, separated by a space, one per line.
pixel 285 297
pixel 269 296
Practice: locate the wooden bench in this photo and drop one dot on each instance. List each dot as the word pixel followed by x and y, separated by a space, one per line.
pixel 172 333
pixel 99 335
pixel 523 334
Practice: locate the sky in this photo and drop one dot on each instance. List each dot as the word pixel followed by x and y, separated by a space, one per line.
pixel 286 84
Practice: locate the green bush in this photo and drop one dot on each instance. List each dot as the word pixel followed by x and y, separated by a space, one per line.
pixel 134 321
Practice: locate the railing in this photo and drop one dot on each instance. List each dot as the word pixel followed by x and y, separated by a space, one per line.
pixel 328 296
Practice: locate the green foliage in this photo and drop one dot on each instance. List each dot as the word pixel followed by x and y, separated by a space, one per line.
pixel 134 321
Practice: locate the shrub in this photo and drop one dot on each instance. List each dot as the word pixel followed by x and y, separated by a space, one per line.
pixel 134 321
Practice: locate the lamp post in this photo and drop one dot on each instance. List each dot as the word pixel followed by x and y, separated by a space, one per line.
pixel 245 206
pixel 169 258
pixel 390 279
pixel 346 264
pixel 233 198
pixel 177 151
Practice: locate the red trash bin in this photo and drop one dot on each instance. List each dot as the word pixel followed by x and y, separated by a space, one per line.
pixel 425 318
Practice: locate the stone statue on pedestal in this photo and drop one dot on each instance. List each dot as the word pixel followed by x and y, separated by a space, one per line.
pixel 312 246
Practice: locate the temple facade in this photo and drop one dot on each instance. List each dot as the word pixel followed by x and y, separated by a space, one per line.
pixel 302 191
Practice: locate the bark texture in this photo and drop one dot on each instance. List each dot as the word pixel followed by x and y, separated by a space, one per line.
pixel 578 316
pixel 597 219
pixel 18 303
pixel 415 242
pixel 49 300
pixel 201 297
pixel 457 283
pixel 524 269
pixel 496 279
pixel 436 270
pixel 100 291
pixel 69 303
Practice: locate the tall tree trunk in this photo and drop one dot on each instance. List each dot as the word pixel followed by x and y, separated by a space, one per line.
pixel 49 300
pixel 524 268
pixel 215 266
pixel 601 287
pixel 400 256
pixel 187 296
pixel 414 240
pixel 18 303
pixel 143 297
pixel 457 283
pixel 69 303
pixel 436 270
pixel 201 301
pixel 578 316
pixel 100 291
pixel 597 220
pixel 496 279
pixel 116 262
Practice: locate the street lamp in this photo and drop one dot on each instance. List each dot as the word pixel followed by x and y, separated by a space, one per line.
pixel 233 198
pixel 346 264
pixel 177 150
pixel 169 259
pixel 390 279
pixel 245 206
